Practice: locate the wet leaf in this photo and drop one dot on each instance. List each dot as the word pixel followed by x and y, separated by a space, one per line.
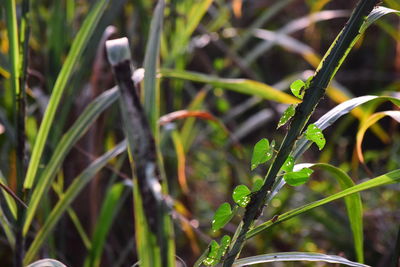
pixel 261 153
pixel 222 216
pixel 241 195
pixel 298 178
pixel 296 88
pixel 212 256
pixel 287 115
pixel 315 135
pixel 288 165
pixel 223 247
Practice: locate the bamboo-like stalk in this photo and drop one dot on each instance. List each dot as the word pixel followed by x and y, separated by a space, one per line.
pixel 143 159
pixel 324 74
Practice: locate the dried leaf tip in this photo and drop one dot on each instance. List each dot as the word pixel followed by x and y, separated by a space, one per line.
pixel 118 50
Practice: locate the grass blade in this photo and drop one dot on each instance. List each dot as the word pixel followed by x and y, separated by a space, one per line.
pixel 82 124
pixel 71 61
pixel 151 90
pixel 243 86
pixel 394 114
pixel 296 256
pixel 47 263
pixel 72 192
pixel 385 179
pixel 353 205
pixel 111 205
pixel 7 228
pixel 11 205
pixel 12 32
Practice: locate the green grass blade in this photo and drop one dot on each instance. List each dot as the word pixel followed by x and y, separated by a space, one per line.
pixel 151 90
pixel 296 256
pixel 72 192
pixel 353 205
pixel 243 86
pixel 7 228
pixel 58 189
pixel 71 61
pixel 12 32
pixel 82 124
pixel 385 179
pixel 111 205
pixel 11 205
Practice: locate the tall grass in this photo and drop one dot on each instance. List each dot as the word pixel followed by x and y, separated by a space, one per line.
pixel 131 175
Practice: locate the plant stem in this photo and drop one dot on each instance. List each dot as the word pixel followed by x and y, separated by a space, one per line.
pixel 313 95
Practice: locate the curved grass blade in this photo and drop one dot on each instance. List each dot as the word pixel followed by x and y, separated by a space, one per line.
pixel 47 263
pixel 181 161
pixel 71 61
pixel 353 204
pixel 394 114
pixel 385 179
pixel 72 192
pixel 292 27
pixel 243 86
pixel 295 256
pixel 82 124
pixel 111 205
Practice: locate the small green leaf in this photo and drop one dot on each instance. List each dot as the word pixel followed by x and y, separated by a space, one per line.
pixel 222 216
pixel 223 247
pixel 286 116
pixel 257 183
pixel 241 195
pixel 296 88
pixel 298 178
pixel 315 135
pixel 261 153
pixel 288 165
pixel 212 256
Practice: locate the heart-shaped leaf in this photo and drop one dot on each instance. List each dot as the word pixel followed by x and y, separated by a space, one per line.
pixel 262 153
pixel 315 135
pixel 222 216
pixel 296 88
pixel 287 114
pixel 298 178
pixel 241 195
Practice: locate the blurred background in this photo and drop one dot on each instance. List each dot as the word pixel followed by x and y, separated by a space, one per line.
pixel 269 41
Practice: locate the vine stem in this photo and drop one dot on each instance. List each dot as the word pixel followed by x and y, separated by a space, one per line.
pixel 323 75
